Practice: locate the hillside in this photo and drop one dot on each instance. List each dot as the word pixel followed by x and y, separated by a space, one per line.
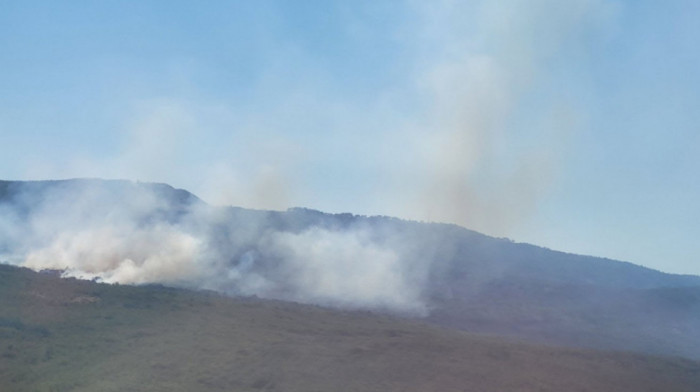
pixel 120 231
pixel 72 335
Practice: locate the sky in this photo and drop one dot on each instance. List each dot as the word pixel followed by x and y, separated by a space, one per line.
pixel 571 125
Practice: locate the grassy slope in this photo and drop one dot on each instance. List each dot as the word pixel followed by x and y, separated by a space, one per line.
pixel 68 335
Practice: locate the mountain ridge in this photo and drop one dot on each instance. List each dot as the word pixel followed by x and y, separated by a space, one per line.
pixel 189 197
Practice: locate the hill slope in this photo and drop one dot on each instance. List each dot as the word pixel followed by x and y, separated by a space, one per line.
pixel 120 231
pixel 71 335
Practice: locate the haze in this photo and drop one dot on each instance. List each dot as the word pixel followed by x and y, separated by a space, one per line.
pixel 569 125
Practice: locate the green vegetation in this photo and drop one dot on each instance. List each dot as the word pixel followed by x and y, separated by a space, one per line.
pixel 70 335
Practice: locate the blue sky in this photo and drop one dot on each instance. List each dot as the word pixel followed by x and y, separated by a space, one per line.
pixel 572 125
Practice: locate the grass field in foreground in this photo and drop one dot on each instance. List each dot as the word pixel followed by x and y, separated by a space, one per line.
pixel 70 335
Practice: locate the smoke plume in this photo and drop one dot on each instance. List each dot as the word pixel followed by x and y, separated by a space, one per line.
pixel 484 168
pixel 123 232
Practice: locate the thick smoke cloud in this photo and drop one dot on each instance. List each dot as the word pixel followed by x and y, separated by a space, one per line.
pixel 345 268
pixel 122 232
pixel 121 255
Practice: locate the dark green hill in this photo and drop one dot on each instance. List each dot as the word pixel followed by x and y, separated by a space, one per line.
pixel 71 335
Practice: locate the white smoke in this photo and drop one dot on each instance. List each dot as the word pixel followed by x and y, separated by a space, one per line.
pixel 121 255
pixel 121 232
pixel 345 269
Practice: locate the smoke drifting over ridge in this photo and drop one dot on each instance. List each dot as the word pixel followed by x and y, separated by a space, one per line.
pixel 122 232
pixel 480 139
